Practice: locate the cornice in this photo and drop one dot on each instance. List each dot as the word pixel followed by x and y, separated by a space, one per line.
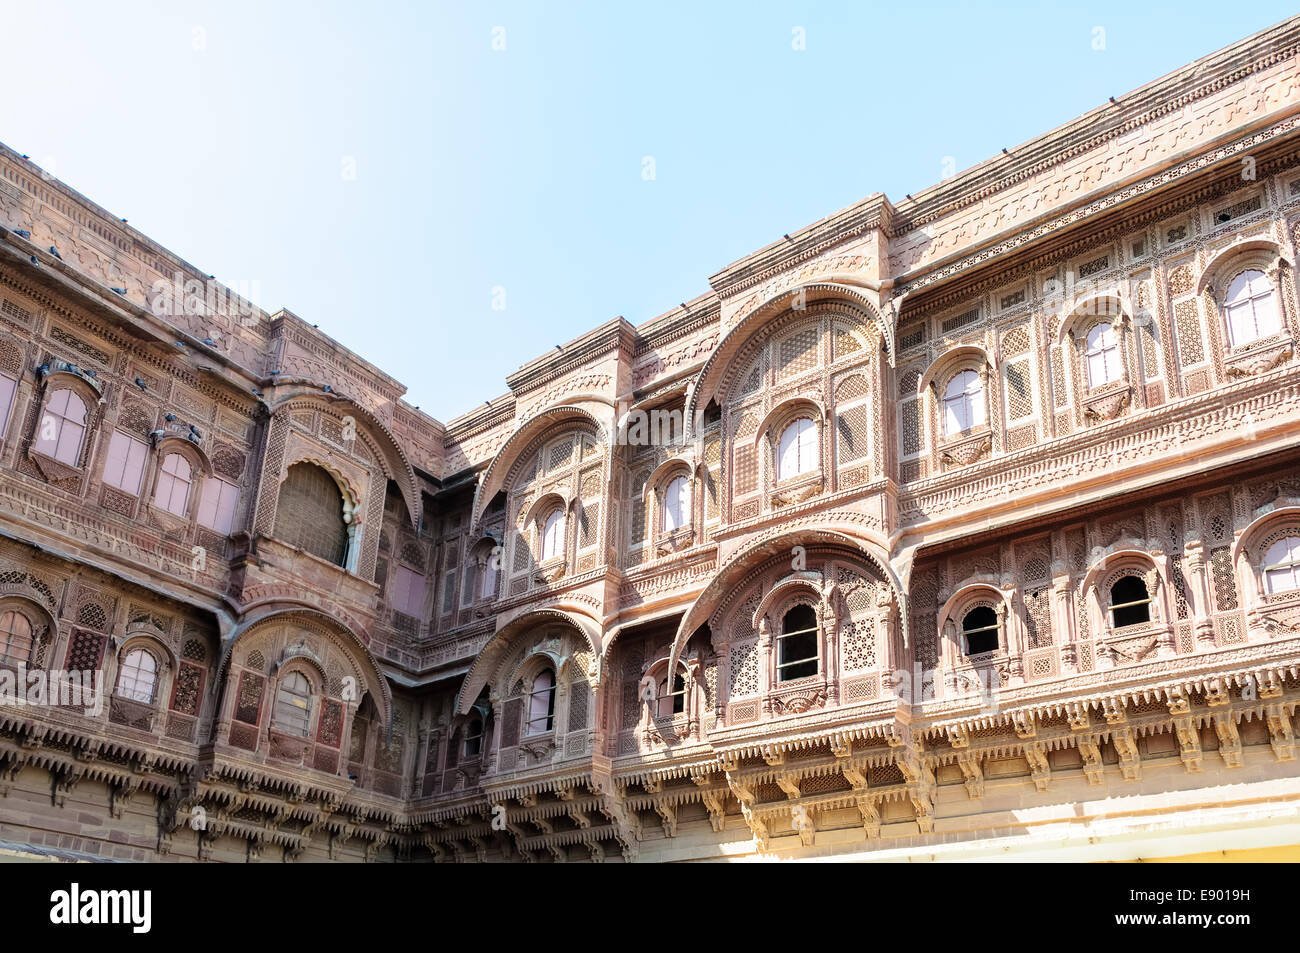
pixel 1168 94
pixel 875 211
pixel 1064 246
pixel 1106 201
pixel 678 323
pixel 499 411
pixel 616 334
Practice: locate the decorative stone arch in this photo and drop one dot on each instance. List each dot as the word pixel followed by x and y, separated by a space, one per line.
pixel 479 558
pixel 547 502
pixel 653 495
pixel 952 615
pixel 142 634
pixel 873 552
pixel 950 362
pixel 788 411
pixel 800 589
pixel 1108 400
pixel 1109 306
pixel 1253 542
pixel 57 373
pixel 519 445
pixel 1257 254
pixel 53 376
pixel 709 378
pixel 352 500
pixel 663 668
pixel 300 657
pixel 532 665
pixel 366 668
pixel 486 668
pixel 778 599
pixel 373 433
pixel 1263 254
pixel 167 443
pixel 42 621
pixel 1105 572
pixel 664 473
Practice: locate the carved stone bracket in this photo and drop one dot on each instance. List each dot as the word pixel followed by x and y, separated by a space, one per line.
pixel 1229 740
pixel 1280 736
pixel 1130 760
pixel 1038 766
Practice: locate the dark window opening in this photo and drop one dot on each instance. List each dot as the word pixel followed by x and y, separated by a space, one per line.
pixel 473 738
pixel 797 654
pixel 1130 603
pixel 674 702
pixel 980 626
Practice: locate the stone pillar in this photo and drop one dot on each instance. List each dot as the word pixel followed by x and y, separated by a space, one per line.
pixel 1200 585
pixel 831 630
pixel 766 660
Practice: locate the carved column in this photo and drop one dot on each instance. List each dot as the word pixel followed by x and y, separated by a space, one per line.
pixel 831 627
pixel 492 744
pixel 723 688
pixel 887 625
pixel 948 656
pixel 1200 585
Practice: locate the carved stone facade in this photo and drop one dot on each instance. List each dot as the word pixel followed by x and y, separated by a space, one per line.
pixel 962 526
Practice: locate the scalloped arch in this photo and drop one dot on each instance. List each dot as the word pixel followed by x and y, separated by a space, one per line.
pixel 870 551
pixel 1116 303
pixel 350 643
pixel 1224 258
pixel 396 465
pixel 706 382
pixel 951 359
pixel 494 653
pixel 494 477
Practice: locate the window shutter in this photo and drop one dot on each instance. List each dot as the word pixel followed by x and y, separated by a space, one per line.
pixel 512 713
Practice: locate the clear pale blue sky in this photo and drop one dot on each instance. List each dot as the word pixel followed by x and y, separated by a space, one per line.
pixel 222 129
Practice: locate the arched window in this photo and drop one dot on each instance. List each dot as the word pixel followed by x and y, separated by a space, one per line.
pixel 473 743
pixel 309 513
pixel 797 449
pixel 488 580
pixel 541 704
pixel 677 504
pixel 1282 565
pixel 293 705
pixel 173 492
pixel 1251 308
pixel 796 646
pixel 963 403
pixel 62 427
pixel 1103 355
pixel 980 629
pixel 15 637
pixel 553 535
pixel 138 678
pixel 671 702
pixel 1130 603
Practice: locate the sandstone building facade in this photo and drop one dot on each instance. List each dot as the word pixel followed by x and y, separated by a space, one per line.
pixel 961 526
